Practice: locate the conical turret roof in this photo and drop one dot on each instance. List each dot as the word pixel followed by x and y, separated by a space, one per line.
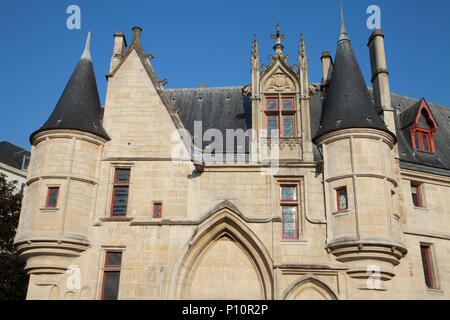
pixel 78 107
pixel 348 103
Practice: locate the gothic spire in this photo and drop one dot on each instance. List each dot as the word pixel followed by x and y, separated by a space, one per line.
pixel 255 53
pixel 348 104
pixel 344 34
pixel 78 107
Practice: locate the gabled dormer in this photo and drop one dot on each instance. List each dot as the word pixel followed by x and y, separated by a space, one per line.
pixel 280 107
pixel 422 126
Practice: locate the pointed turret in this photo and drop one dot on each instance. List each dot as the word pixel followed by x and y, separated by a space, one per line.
pixel 79 106
pixel 348 104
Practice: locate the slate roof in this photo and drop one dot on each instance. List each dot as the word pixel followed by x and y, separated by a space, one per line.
pixel 211 106
pixel 221 108
pixel 12 155
pixel 348 104
pixel 78 107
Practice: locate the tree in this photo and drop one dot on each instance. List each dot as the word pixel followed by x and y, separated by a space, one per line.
pixel 13 278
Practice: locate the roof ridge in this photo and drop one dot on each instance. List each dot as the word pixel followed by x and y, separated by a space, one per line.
pixel 204 89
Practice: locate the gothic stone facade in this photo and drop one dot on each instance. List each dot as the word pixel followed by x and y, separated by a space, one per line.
pixel 353 210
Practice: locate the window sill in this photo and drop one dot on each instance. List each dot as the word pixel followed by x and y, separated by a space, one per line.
pixel 341 213
pixel 434 291
pixel 49 209
pixel 421 208
pixel 294 241
pixel 116 219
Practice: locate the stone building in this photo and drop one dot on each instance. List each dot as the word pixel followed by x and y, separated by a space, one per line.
pixel 14 162
pixel 331 191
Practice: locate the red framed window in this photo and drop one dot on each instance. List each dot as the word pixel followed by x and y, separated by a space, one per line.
pixel 416 195
pixel 422 139
pixel 119 201
pixel 288 126
pixel 272 104
pixel 111 275
pixel 287 104
pixel 52 197
pixel 280 110
pixel 289 212
pixel 342 199
pixel 272 126
pixel 428 266
pixel 157 210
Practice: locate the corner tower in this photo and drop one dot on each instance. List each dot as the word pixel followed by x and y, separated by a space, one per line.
pixel 62 181
pixel 359 181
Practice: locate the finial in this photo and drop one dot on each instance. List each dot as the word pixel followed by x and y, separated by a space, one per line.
pixel 278 46
pixel 302 52
pixel 255 54
pixel 87 52
pixel 344 34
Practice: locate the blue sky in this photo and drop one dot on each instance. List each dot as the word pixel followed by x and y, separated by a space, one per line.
pixel 207 41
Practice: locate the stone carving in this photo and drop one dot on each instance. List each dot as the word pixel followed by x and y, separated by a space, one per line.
pixel 247 90
pixel 279 82
pixel 313 89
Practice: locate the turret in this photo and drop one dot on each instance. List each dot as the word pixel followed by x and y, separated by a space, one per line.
pixel 363 226
pixel 62 181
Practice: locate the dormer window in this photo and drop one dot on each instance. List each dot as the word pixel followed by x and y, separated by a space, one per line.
pixel 423 129
pixel 280 117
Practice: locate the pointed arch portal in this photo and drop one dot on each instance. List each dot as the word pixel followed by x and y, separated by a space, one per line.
pixel 223 260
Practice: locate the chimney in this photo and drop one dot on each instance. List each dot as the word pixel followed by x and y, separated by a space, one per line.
pixel 120 45
pixel 137 35
pixel 380 79
pixel 327 70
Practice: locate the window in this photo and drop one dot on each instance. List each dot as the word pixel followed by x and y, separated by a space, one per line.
pixel 120 192
pixel 25 162
pixel 289 211
pixel 52 197
pixel 285 113
pixel 416 195
pixel 157 210
pixel 428 266
pixel 342 199
pixel 423 129
pixel 111 275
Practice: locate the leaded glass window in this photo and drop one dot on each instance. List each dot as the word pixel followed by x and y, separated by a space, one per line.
pixel 288 126
pixel 52 197
pixel 122 175
pixel 290 230
pixel 272 126
pixel 120 201
pixel 288 104
pixel 288 193
pixel 342 201
pixel 272 104
pixel 111 276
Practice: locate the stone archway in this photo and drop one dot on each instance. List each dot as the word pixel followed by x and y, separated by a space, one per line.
pixel 309 287
pixel 224 260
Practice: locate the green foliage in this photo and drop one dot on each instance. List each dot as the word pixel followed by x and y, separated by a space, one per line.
pixel 13 278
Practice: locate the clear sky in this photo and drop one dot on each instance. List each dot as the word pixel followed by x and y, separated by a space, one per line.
pixel 208 41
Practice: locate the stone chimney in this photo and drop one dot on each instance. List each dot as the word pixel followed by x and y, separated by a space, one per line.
pixel 327 70
pixel 120 45
pixel 380 79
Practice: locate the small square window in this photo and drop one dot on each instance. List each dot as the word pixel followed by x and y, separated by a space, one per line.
pixel 288 193
pixel 52 197
pixel 272 104
pixel 288 104
pixel 157 210
pixel 342 200
pixel 122 175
